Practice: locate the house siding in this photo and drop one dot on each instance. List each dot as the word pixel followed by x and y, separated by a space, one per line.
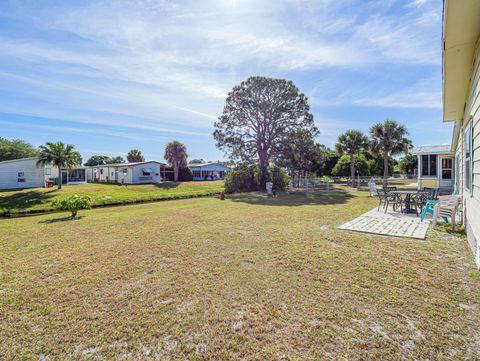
pixel 471 198
pixel 34 176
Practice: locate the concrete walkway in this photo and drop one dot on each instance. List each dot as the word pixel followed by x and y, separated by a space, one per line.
pixel 388 224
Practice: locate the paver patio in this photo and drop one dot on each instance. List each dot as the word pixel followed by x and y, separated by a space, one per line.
pixel 388 224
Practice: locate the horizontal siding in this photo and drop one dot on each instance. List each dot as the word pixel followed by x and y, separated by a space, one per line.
pixel 471 199
pixel 33 175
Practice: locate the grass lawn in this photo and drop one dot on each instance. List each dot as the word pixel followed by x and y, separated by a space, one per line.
pixel 39 199
pixel 250 278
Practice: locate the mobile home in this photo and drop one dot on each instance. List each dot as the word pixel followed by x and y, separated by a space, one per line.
pixel 128 173
pixel 24 173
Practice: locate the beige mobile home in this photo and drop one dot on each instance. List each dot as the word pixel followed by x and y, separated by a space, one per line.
pixel 128 173
pixel 461 105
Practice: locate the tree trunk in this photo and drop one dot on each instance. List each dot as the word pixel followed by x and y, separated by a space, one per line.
pixel 175 172
pixel 59 177
pixel 385 169
pixel 352 169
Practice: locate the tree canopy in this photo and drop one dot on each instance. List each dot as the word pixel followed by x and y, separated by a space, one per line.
pixel 258 116
pixel 15 149
pixel 60 155
pixel 176 155
pixel 389 138
pixel 351 143
pixel 135 155
pixel 103 159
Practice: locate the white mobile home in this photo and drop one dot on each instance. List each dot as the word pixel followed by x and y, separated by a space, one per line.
pixel 208 171
pixel 461 105
pixel 128 173
pixel 24 173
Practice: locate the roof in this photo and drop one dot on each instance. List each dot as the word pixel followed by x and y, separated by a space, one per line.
pixel 126 164
pixel 18 160
pixel 206 164
pixel 433 149
pixel 461 30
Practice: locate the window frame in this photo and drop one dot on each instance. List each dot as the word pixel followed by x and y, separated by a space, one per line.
pixel 468 161
pixel 429 163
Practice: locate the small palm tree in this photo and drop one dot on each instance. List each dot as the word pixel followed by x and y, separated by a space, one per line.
pixel 135 156
pixel 59 155
pixel 389 138
pixel 352 142
pixel 176 155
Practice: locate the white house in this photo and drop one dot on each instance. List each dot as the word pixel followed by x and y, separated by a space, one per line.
pixel 436 167
pixel 461 105
pixel 24 173
pixel 208 171
pixel 128 173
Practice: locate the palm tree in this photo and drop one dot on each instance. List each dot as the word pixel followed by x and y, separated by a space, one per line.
pixel 351 142
pixel 135 156
pixel 388 139
pixel 59 155
pixel 176 155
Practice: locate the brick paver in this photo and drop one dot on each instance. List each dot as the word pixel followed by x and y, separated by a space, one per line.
pixel 399 227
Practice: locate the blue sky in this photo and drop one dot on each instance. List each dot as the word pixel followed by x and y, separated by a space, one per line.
pixel 111 75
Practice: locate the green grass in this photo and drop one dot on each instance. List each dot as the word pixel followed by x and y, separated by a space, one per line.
pixel 251 278
pixel 39 199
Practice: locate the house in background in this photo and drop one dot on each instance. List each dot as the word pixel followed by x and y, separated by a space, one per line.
pixel 436 167
pixel 24 173
pixel 208 171
pixel 461 105
pixel 128 173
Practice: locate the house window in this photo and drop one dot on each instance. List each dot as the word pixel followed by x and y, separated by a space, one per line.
pixel 125 172
pixel 48 171
pixel 468 157
pixel 101 171
pixel 429 165
pixel 147 171
pixel 447 166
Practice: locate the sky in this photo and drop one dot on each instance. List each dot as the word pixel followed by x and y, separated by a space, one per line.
pixel 111 75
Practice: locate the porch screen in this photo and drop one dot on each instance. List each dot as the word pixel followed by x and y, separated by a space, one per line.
pixel 429 165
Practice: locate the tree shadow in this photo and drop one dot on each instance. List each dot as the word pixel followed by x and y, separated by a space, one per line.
pixel 25 200
pixel 168 185
pixel 61 219
pixel 337 196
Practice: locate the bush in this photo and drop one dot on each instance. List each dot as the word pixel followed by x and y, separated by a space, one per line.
pixel 247 178
pixel 185 175
pixel 342 168
pixel 241 179
pixel 73 204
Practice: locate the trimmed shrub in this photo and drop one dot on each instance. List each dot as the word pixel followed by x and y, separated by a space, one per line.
pixel 73 204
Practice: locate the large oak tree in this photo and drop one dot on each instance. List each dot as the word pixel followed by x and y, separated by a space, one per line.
pixel 258 116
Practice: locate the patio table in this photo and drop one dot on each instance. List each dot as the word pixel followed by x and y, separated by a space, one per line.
pixel 407 196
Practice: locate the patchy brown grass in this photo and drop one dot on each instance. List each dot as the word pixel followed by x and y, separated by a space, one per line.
pixel 251 278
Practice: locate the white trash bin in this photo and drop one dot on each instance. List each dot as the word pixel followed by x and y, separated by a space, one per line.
pixel 269 187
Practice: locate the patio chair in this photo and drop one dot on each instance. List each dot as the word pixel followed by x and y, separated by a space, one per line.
pixel 429 206
pixel 372 187
pixel 389 198
pixel 446 208
pixel 420 200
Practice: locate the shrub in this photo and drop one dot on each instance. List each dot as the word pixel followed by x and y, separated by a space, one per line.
pixel 247 178
pixel 73 204
pixel 278 177
pixel 241 179
pixel 185 175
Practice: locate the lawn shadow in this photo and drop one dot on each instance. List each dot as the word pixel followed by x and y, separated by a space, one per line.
pixel 337 196
pixel 25 200
pixel 168 185
pixel 61 219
